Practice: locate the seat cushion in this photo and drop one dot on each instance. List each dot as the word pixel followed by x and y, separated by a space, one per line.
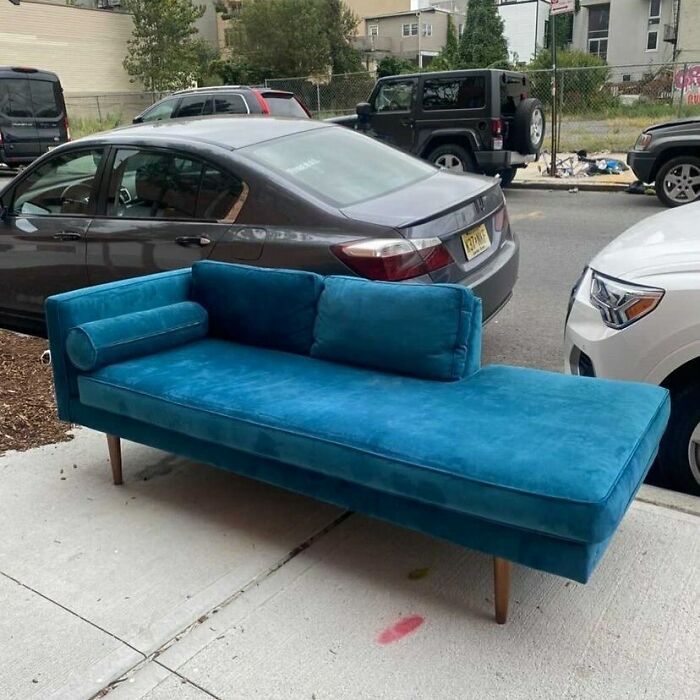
pixel 428 331
pixel 268 308
pixel 540 451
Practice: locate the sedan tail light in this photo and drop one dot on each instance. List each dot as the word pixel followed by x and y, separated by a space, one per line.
pixel 393 259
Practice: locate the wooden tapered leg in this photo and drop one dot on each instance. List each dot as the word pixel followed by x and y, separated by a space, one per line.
pixel 501 585
pixel 115 457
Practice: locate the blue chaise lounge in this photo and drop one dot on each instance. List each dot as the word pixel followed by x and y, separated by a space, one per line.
pixel 368 395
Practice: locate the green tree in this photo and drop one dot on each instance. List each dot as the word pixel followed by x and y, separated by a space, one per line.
pixel 393 65
pixel 340 23
pixel 163 51
pixel 450 50
pixel 483 44
pixel 289 38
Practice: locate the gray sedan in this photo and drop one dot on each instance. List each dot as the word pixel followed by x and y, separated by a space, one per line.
pixel 262 191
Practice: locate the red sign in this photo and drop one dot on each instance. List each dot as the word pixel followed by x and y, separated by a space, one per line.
pixel 559 7
pixel 688 81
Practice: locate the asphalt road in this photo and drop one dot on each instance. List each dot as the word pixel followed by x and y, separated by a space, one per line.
pixel 559 233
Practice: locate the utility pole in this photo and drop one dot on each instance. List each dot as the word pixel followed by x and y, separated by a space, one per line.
pixel 553 164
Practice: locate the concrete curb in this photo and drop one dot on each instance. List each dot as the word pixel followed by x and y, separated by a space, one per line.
pixel 566 185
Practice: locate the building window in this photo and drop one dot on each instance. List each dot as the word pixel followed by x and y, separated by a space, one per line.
pixel 598 26
pixel 373 30
pixel 654 21
pixel 460 29
pixel 654 11
pixel 427 29
pixel 410 29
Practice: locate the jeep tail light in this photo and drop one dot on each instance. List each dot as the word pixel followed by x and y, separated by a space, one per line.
pixel 262 102
pixel 66 123
pixel 393 259
pixel 497 133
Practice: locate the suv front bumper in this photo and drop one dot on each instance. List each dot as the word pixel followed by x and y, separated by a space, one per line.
pixel 642 164
pixel 493 161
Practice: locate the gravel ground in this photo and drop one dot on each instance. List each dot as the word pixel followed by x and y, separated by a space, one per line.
pixel 27 408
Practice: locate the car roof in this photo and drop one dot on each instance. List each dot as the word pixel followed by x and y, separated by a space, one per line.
pixel 27 72
pixel 230 132
pixel 226 88
pixel 450 73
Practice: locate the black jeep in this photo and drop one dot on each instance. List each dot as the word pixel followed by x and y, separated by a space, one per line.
pixel 481 121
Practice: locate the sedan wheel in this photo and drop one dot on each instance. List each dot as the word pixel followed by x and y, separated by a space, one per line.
pixel 694 454
pixel 678 181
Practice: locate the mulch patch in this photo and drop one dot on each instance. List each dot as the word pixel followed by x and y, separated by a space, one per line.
pixel 28 415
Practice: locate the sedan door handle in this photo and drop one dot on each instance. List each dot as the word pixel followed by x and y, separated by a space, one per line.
pixel 191 241
pixel 67 236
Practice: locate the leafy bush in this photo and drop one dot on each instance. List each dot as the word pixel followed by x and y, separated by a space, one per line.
pixel 392 65
pixel 582 81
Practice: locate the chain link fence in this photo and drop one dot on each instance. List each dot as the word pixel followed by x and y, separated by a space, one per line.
pixel 599 109
pixel 328 97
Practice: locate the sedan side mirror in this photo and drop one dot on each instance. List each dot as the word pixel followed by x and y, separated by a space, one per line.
pixel 4 213
pixel 364 112
pixel 137 120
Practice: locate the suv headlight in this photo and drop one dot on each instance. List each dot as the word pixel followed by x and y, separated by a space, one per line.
pixel 622 303
pixel 643 141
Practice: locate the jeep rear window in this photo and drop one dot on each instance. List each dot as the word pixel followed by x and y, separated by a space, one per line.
pixel 454 93
pixel 338 165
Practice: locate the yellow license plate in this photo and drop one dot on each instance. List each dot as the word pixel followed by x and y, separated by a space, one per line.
pixel 476 241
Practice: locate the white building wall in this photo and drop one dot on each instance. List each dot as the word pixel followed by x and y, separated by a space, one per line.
pixel 524 27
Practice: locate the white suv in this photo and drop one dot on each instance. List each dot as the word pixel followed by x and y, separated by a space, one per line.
pixel 635 314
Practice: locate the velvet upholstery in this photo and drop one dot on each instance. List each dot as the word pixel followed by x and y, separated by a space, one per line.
pixel 490 445
pixel 267 308
pixel 98 343
pixel 531 466
pixel 428 331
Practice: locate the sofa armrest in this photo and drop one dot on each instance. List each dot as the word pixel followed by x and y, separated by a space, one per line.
pixel 66 311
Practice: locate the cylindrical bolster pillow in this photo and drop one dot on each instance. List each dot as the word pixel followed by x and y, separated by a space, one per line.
pixel 99 343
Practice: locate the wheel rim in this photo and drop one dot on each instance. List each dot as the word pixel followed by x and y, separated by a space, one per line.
pixel 536 126
pixel 450 161
pixel 682 183
pixel 694 453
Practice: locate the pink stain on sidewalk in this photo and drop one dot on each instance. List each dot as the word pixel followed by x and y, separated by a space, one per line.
pixel 399 630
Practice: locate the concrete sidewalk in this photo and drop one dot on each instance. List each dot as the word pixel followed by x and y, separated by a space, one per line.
pixel 536 176
pixel 191 583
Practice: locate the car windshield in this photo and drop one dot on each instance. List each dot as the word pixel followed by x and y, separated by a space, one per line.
pixel 339 165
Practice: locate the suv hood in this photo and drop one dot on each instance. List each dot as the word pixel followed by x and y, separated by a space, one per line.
pixel 421 200
pixel 689 121
pixel 663 243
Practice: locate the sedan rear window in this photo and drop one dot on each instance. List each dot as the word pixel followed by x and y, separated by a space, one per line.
pixel 282 105
pixel 339 165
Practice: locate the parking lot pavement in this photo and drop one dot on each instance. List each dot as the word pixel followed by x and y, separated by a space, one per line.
pixel 188 582
pixel 559 234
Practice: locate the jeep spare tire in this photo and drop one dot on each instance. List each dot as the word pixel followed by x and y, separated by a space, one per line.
pixel 528 126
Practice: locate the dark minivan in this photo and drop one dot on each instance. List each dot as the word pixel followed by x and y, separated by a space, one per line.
pixel 33 116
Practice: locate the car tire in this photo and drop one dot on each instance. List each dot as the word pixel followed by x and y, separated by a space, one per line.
pixel 507 176
pixel 684 174
pixel 529 126
pixel 678 463
pixel 453 157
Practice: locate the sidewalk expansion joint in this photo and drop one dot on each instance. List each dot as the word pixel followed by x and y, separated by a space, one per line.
pixel 255 581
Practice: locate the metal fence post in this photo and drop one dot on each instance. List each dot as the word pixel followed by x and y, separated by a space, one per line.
pixel 99 111
pixel 318 99
pixel 680 103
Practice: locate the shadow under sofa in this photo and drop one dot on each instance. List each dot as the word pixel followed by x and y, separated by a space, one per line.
pixel 363 394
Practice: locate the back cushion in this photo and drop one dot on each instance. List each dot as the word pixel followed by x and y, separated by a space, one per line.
pixel 427 331
pixel 255 306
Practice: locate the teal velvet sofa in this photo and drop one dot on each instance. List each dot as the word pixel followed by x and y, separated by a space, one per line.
pixel 364 394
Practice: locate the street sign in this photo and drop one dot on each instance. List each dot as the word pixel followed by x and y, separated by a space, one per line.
pixel 560 7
